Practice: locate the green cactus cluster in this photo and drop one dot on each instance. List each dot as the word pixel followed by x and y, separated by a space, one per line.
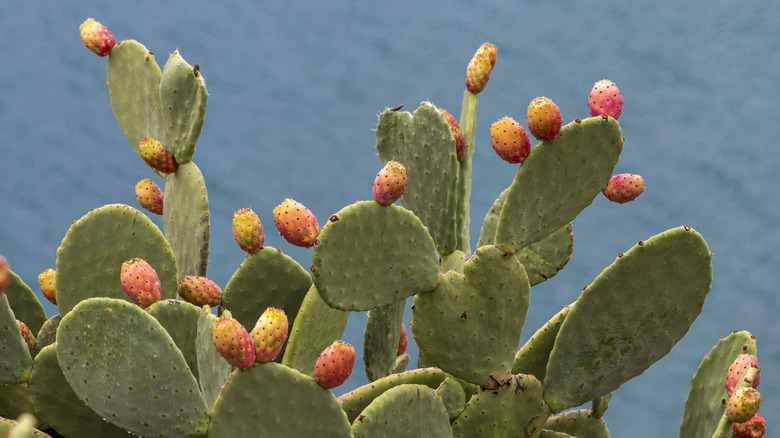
pixel 106 367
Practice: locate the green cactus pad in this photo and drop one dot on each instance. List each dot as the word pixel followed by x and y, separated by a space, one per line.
pixel 356 400
pixel 454 261
pixel 468 125
pixel 270 399
pixel 25 304
pixel 213 370
pixel 266 278
pixel 186 220
pixel 370 255
pixel 400 363
pixel 484 309
pixel 90 258
pixel 183 98
pixel 15 360
pixel 407 410
pixel 558 180
pixel 487 234
pixel 316 326
pixel 599 405
pixel 704 405
pixel 122 363
pixel 58 404
pixel 180 320
pixel 380 339
pixel 516 409
pixel 579 423
pixel 423 143
pixel 632 315
pixel 452 396
pixel 47 334
pixel 532 357
pixel 16 400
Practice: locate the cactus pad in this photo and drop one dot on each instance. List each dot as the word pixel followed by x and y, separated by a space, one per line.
pixel 47 334
pixel 90 257
pixel 532 357
pixel 580 423
pixel 452 396
pixel 370 255
pixel 213 370
pixel 180 320
pixel 380 339
pixel 15 360
pixel 485 309
pixel 15 400
pixel 632 315
pixel 407 410
pixel 24 304
pixel 183 98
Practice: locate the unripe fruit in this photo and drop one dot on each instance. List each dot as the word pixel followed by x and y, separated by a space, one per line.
pixel 753 428
pixel 737 368
pixel 5 275
pixel 509 140
pixel 140 282
pixel 46 281
pixel 544 119
pixel 157 156
pixel 605 98
pixel 247 230
pixel 334 365
pixel 403 342
pixel 232 341
pixel 27 335
pixel 149 195
pixel 457 134
pixel 199 291
pixel 96 37
pixel 296 223
pixel 480 67
pixel 624 188
pixel 743 405
pixel 269 334
pixel 390 183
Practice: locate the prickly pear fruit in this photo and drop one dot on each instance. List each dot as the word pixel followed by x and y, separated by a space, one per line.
pixel 233 342
pixel 5 275
pixel 457 134
pixel 140 282
pixel 158 156
pixel 334 365
pixel 149 195
pixel 46 281
pixel 269 334
pixel 247 230
pixel 510 140
pixel 200 291
pixel 544 119
pixel 743 405
pixel 96 37
pixel 390 183
pixel 740 364
pixel 296 223
pixel 480 67
pixel 624 188
pixel 753 428
pixel 605 98
pixel 403 342
pixel 27 335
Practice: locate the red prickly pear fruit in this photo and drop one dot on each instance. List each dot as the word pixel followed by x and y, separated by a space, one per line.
pixel 544 119
pixel 247 230
pixel 510 140
pixel 296 223
pixel 390 183
pixel 149 195
pixel 624 188
pixel 46 281
pixel 158 156
pixel 753 428
pixel 737 368
pixel 457 134
pixel 140 282
pixel 269 334
pixel 233 342
pixel 480 67
pixel 403 342
pixel 605 98
pixel 743 405
pixel 5 275
pixel 27 335
pixel 199 291
pixel 96 37
pixel 334 365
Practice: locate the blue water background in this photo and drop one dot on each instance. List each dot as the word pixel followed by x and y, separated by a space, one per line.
pixel 295 90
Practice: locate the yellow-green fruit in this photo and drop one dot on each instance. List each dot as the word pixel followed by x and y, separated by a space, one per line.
pixel 544 119
pixel 157 156
pixel 743 405
pixel 480 67
pixel 46 280
pixel 269 334
pixel 247 230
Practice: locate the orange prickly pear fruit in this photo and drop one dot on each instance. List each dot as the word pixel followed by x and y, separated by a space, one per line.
pixel 233 342
pixel 510 140
pixel 334 365
pixel 390 183
pixel 296 223
pixel 544 119
pixel 199 291
pixel 149 195
pixel 140 282
pixel 269 334
pixel 96 37
pixel 247 230
pixel 480 67
pixel 158 156
pixel 46 281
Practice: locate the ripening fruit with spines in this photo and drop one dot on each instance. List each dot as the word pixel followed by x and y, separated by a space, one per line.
pixel 27 335
pixel 247 230
pixel 743 405
pixel 296 223
pixel 5 275
pixel 740 364
pixel 544 119
pixel 624 188
pixel 605 98
pixel 233 343
pixel 480 67
pixel 510 140
pixel 149 195
pixel 753 428
pixel 390 183
pixel 157 156
pixel 96 37
pixel 46 281
pixel 140 282
pixel 199 291
pixel 334 365
pixel 269 334
pixel 457 135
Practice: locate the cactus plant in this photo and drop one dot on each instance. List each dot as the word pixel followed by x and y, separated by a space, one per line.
pixel 105 366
